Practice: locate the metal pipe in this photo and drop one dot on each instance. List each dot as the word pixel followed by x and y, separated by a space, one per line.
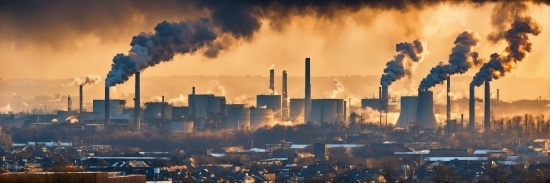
pixel 272 81
pixel 285 97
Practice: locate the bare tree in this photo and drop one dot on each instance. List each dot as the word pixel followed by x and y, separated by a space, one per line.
pixel 441 173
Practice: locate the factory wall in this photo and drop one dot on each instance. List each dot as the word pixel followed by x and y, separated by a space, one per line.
pixel 238 119
pixel 296 108
pixel 115 106
pixel 153 110
pixel 260 117
pixel 327 111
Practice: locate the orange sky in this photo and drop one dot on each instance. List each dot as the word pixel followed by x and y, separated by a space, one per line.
pixel 356 44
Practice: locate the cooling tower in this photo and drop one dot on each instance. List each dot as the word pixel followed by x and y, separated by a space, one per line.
pixel 296 108
pixel 272 81
pixel 472 109
pixel 137 106
pixel 409 106
pixel 426 116
pixel 285 97
pixel 307 98
pixel 384 99
pixel 107 99
pixel 487 115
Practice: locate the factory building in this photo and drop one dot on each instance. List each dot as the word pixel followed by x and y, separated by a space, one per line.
pixel 296 109
pixel 272 102
pixel 327 111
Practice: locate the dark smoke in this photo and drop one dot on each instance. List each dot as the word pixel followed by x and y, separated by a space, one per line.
pixel 461 59
pixel 168 40
pixel 400 66
pixel 518 47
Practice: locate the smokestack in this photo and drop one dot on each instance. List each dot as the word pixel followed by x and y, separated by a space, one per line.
pixel 107 101
pixel 448 99
pixel 380 92
pixel 162 109
pixel 307 100
pixel 487 117
pixel 137 103
pixel 384 99
pixel 272 81
pixel 461 121
pixel 472 123
pixel 80 99
pixel 285 97
pixel 345 111
pixel 69 103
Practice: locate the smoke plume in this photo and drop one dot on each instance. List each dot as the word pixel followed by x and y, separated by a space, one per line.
pixel 461 59
pixel 272 66
pixel 180 100
pixel 219 88
pixel 89 79
pixel 402 64
pixel 338 88
pixel 517 38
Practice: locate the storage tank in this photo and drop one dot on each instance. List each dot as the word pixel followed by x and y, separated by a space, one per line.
pixel 215 104
pixel 296 108
pixel 238 119
pixel 407 115
pixel 260 117
pixel 426 116
pixel 229 107
pixel 327 110
pixel 179 113
pixel 272 102
pixel 115 106
pixel 153 110
pixel 200 104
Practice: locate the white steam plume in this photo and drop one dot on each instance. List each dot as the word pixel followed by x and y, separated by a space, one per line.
pixel 89 79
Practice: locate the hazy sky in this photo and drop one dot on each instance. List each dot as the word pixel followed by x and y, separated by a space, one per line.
pixel 43 42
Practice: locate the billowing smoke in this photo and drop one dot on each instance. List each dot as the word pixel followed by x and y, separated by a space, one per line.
pixel 169 39
pixel 180 100
pixel 402 64
pixel 6 109
pixel 89 79
pixel 219 88
pixel 517 37
pixel 461 59
pixel 72 119
pixel 338 88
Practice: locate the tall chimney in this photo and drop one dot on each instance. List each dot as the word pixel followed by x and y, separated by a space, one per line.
pixel 448 99
pixel 162 109
pixel 69 103
pixel 272 81
pixel 107 101
pixel 487 115
pixel 80 99
pixel 472 123
pixel 384 99
pixel 461 121
pixel 345 111
pixel 137 103
pixel 285 111
pixel 307 98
